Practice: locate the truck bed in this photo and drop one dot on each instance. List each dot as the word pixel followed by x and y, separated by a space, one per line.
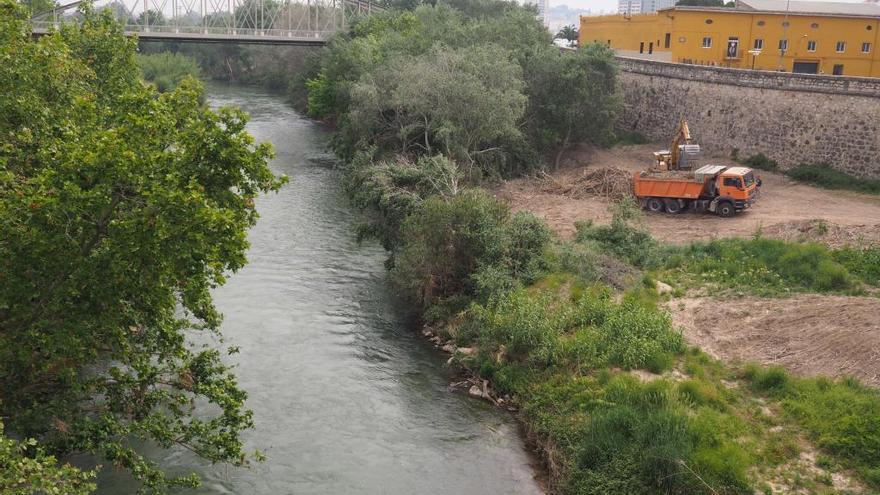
pixel 674 184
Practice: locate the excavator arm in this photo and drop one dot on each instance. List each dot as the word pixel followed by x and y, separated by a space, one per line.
pixel 682 136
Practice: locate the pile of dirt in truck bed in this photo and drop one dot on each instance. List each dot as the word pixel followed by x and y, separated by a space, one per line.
pixel 808 334
pixel 611 183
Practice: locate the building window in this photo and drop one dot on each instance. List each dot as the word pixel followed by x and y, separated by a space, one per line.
pixel 650 48
pixel 811 46
pixel 841 46
pixel 709 21
pixel 760 23
pixel 707 42
pixel 759 44
pixel 682 39
pixel 667 40
pixel 869 27
pixel 814 25
pixel 838 70
pixel 642 47
pixel 786 24
pixel 866 47
pixel 783 45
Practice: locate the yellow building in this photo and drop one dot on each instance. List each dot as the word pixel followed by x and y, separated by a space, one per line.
pixel 795 36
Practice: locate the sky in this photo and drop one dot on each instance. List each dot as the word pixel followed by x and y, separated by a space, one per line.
pixel 609 6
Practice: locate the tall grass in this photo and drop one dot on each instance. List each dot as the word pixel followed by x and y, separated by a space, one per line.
pixel 842 417
pixel 823 175
pixel 760 266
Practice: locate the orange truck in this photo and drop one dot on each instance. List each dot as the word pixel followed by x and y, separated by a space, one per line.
pixel 716 188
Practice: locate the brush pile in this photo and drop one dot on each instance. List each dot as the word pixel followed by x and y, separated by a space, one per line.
pixel 611 183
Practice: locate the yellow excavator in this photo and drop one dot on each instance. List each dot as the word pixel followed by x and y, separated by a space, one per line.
pixel 681 154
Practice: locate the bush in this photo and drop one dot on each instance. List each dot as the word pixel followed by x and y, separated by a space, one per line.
pixel 448 246
pixel 823 175
pixel 167 70
pixel 761 162
pixel 622 238
pixel 862 262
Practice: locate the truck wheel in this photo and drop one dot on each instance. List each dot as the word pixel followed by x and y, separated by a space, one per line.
pixel 655 205
pixel 725 210
pixel 673 206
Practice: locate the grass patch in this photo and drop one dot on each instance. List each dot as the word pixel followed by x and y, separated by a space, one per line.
pixel 824 176
pixel 842 417
pixel 765 267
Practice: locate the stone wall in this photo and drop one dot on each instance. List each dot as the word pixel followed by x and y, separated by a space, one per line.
pixel 791 118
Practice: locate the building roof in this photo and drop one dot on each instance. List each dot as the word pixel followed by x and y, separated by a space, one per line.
pixel 805 7
pixel 796 7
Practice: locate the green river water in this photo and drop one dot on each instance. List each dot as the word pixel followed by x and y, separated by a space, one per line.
pixel 347 397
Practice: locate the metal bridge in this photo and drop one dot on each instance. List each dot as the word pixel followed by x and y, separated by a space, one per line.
pixel 284 22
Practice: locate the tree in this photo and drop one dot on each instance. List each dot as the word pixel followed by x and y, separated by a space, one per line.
pixel 36 6
pixel 120 209
pixel 456 101
pixel 569 33
pixel 150 17
pixel 572 97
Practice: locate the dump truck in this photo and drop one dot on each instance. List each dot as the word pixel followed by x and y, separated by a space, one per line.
pixel 716 188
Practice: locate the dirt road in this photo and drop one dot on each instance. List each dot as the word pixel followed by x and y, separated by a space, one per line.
pixel 807 334
pixel 784 210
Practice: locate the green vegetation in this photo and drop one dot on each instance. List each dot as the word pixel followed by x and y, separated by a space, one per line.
pixel 840 416
pixel 167 70
pixel 829 178
pixel 821 175
pixel 761 162
pixel 765 267
pixel 120 209
pixel 430 103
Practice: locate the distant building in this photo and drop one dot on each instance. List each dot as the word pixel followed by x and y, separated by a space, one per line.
pixel 543 10
pixel 630 7
pixel 795 36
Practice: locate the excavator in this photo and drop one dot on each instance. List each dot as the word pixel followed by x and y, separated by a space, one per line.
pixel 681 154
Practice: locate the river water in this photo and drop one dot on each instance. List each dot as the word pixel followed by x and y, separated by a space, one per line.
pixel 347 397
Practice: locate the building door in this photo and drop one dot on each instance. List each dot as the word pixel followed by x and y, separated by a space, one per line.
pixel 801 67
pixel 838 70
pixel 667 40
pixel 642 47
pixel 650 48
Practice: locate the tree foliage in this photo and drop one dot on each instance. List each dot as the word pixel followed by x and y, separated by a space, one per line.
pixel 167 70
pixel 568 32
pixel 120 209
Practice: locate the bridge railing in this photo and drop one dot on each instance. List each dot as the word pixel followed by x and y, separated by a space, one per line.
pixel 224 31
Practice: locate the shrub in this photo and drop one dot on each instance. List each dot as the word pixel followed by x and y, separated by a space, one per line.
pixel 448 246
pixel 761 162
pixel 862 262
pixel 633 336
pixel 167 70
pixel 622 238
pixel 823 175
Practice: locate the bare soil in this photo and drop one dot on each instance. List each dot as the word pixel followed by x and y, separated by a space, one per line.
pixel 785 209
pixel 810 335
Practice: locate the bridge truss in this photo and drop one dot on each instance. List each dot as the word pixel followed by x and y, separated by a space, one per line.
pixel 296 22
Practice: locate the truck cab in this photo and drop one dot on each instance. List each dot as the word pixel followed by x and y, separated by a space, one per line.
pixel 737 186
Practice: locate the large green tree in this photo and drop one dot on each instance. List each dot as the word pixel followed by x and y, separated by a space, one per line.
pixel 120 209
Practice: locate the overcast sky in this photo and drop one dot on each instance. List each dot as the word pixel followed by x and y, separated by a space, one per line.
pixel 609 5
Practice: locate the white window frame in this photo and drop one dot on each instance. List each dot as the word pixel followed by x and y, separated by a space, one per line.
pixel 840 47
pixel 759 44
pixel 866 47
pixel 709 44
pixel 811 45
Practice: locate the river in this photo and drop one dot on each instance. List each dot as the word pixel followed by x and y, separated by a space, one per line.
pixel 347 397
